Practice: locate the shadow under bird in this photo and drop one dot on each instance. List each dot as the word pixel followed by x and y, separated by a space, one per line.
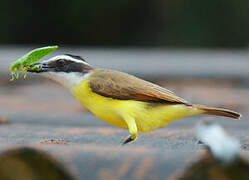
pixel 121 99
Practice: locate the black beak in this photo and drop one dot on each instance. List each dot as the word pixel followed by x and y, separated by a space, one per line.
pixel 39 68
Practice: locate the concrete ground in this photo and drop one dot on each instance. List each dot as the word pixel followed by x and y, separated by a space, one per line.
pixel 41 114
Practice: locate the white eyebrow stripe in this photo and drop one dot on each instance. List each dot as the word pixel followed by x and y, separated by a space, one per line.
pixel 65 57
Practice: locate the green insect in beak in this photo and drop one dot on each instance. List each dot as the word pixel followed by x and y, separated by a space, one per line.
pixel 26 62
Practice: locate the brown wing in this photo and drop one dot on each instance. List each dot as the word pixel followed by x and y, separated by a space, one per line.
pixel 118 85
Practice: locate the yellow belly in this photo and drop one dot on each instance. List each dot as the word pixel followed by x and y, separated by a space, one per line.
pixel 148 116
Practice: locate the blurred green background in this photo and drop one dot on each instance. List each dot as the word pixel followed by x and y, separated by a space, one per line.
pixel 167 23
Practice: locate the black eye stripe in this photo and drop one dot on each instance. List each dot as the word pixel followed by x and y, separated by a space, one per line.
pixel 64 62
pixel 65 65
pixel 60 61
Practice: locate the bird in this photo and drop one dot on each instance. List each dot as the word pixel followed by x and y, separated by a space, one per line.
pixel 119 98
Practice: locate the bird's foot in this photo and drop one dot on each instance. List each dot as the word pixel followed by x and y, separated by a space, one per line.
pixel 130 139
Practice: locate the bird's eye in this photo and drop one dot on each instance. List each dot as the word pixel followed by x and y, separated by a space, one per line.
pixel 60 61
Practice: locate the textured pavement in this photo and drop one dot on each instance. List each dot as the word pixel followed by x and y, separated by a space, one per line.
pixel 45 116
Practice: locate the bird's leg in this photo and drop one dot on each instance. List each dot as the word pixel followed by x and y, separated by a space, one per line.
pixel 132 127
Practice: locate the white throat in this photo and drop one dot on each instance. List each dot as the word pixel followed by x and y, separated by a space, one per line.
pixel 68 80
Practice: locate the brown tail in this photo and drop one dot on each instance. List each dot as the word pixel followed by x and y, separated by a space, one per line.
pixel 218 111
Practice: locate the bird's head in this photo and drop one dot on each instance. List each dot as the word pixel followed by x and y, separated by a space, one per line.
pixel 69 70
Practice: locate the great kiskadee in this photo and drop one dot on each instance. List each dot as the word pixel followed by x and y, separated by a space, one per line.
pixel 121 99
